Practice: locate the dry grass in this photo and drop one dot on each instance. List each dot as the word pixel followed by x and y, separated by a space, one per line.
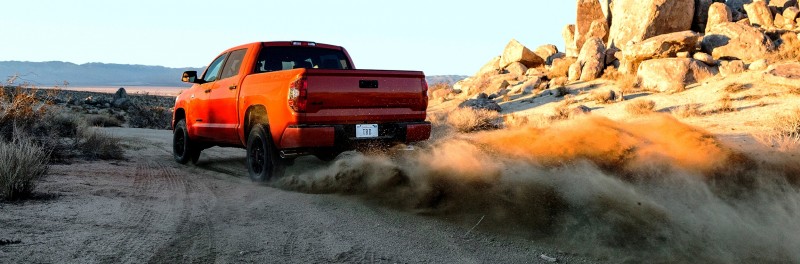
pixel 735 88
pixel 563 110
pixel 725 104
pixel 602 96
pixel 689 110
pixel 93 144
pixel 22 164
pixel 627 83
pixel 103 121
pixel 784 132
pixel 640 107
pixel 469 120
pixel 789 50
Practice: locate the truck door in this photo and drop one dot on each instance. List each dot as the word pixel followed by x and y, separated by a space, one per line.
pixel 223 118
pixel 200 107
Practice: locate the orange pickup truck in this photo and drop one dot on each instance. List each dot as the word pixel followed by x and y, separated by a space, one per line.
pixel 281 100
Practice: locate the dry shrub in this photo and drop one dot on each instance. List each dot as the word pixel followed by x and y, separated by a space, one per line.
pixel 602 96
pixel 469 120
pixel 439 86
pixel 640 107
pixel 22 163
pixel 734 88
pixel 19 110
pixel 155 117
pixel 688 110
pixel 103 121
pixel 561 91
pixel 627 83
pixel 562 110
pixel 789 50
pixel 725 104
pixel 93 144
pixel 784 132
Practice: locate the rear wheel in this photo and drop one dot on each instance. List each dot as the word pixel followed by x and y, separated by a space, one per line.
pixel 182 148
pixel 263 162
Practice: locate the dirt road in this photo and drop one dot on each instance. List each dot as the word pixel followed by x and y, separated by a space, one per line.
pixel 150 209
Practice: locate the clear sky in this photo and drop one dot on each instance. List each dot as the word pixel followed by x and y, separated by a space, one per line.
pixel 438 37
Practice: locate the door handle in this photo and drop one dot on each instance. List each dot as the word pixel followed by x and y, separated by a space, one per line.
pixel 207 91
pixel 232 87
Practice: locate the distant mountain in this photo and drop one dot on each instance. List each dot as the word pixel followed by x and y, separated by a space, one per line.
pixel 92 74
pixel 449 79
pixel 108 74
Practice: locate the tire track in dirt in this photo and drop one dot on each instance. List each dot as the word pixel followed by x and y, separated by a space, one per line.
pixel 193 238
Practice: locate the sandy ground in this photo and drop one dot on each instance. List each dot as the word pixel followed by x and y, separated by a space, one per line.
pixel 151 209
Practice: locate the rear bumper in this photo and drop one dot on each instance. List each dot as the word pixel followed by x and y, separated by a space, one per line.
pixel 344 136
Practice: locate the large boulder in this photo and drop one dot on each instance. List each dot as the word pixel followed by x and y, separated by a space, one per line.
pixel 592 59
pixel 637 20
pixel 491 67
pixel 736 41
pixel 517 69
pixel 701 14
pixel 790 16
pixel 727 68
pixel 672 74
pixel 759 14
pixel 588 12
pixel 606 6
pixel 662 46
pixel 516 52
pixel 545 51
pixel 718 13
pixel 599 29
pixel 569 40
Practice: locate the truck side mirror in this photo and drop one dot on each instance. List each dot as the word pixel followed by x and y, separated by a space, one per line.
pixel 189 77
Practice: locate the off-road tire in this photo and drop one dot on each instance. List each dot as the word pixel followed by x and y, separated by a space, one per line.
pixel 263 161
pixel 183 149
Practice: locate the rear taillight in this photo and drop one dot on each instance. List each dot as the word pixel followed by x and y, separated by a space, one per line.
pixel 298 95
pixel 424 94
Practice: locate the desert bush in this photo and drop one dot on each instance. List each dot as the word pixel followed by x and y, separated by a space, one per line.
pixel 725 104
pixel 640 107
pixel 562 111
pixel 789 49
pixel 688 110
pixel 627 83
pixel 784 131
pixel 94 144
pixel 22 164
pixel 103 121
pixel 734 88
pixel 20 110
pixel 602 96
pixel 561 91
pixel 155 117
pixel 469 120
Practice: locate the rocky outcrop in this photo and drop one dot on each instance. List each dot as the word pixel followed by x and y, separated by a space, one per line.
pixel 516 52
pixel 517 69
pixel 599 29
pixel 569 41
pixel 736 41
pixel 662 46
pixel 481 102
pixel 759 14
pixel 790 16
pixel 588 12
pixel 727 68
pixel 718 13
pixel 592 59
pixel 672 74
pixel 546 51
pixel 493 66
pixel 651 18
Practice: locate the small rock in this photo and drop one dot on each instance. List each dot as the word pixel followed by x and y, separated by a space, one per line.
pixel 517 69
pixel 758 65
pixel 727 68
pixel 482 102
pixel 705 58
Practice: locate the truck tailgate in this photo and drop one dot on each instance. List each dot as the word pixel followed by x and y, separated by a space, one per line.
pixel 365 89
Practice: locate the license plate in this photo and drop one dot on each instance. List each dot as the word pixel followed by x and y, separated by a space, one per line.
pixel 367 131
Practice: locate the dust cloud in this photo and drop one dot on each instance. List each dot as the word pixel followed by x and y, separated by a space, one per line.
pixel 654 190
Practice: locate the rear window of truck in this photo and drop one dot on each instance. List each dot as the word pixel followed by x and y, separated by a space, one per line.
pixel 286 58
